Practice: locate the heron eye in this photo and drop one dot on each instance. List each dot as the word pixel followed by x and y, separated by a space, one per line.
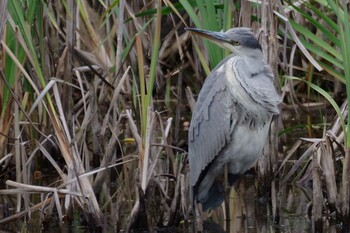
pixel 236 43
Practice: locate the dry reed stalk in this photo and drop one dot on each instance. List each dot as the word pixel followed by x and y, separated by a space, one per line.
pixel 150 177
pixel 236 209
pixel 274 201
pixel 18 154
pixel 175 205
pixel 299 163
pixel 267 164
pixel 24 190
pixel 146 157
pixel 317 195
pixel 295 147
pixel 246 14
pixel 328 171
pixel 35 188
pixel 70 43
pixel 134 213
pixel 163 144
pixel 93 42
pixel 38 206
pixel 125 160
pixel 120 29
pixel 345 192
pixel 3 17
pixel 107 158
pixel 73 162
pixel 190 99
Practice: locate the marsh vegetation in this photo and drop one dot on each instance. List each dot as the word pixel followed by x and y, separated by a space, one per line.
pixel 96 99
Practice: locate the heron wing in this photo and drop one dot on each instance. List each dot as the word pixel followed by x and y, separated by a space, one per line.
pixel 267 95
pixel 212 122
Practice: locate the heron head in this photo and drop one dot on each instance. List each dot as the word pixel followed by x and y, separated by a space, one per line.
pixel 240 41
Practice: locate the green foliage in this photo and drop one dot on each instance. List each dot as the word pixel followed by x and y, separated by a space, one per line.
pixel 147 90
pixel 23 16
pixel 10 69
pixel 324 43
pixel 165 10
pixel 330 42
pixel 211 18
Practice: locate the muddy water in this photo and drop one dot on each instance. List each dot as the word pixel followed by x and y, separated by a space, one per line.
pixel 254 213
pixel 250 213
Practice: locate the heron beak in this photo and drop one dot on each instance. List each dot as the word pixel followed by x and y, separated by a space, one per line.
pixel 218 37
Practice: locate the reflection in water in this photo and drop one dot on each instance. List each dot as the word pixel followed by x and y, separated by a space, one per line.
pixel 253 213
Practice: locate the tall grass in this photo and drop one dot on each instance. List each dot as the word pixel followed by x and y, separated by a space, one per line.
pixel 70 77
pixel 22 15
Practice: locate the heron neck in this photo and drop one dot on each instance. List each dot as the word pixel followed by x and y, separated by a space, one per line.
pixel 254 62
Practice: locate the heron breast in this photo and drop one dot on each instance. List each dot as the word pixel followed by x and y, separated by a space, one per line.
pixel 245 148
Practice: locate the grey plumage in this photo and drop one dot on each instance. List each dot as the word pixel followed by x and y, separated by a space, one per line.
pixel 232 116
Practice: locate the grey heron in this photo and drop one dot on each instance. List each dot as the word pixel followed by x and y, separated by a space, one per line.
pixel 232 116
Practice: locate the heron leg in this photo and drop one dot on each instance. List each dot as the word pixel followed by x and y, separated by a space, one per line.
pixel 230 180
